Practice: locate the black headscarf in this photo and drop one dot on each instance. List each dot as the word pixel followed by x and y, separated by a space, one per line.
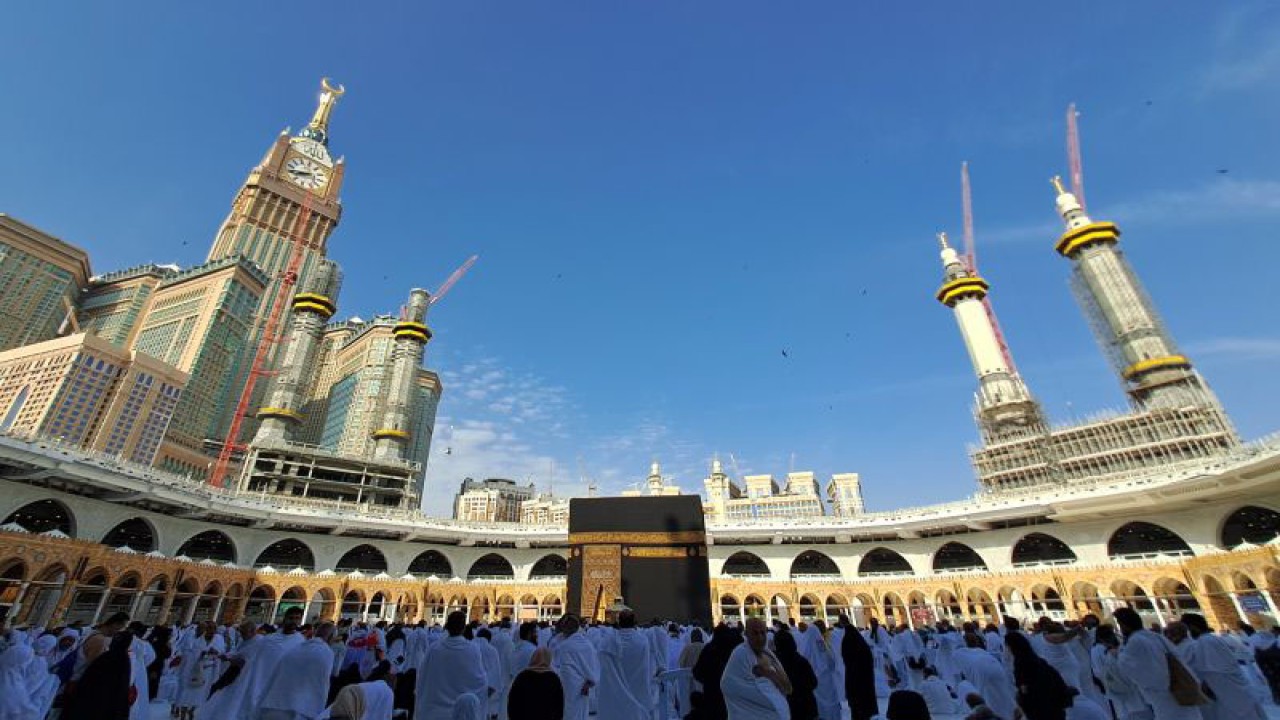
pixel 859 675
pixel 710 668
pixel 803 704
pixel 103 692
pixel 907 705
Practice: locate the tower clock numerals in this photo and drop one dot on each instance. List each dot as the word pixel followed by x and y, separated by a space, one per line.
pixel 306 174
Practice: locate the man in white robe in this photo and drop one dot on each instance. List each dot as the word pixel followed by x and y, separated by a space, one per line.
pixel 1212 660
pixel 492 670
pixel 626 671
pixel 577 663
pixel 1144 660
pixel 754 684
pixel 226 702
pixel 199 669
pixel 268 652
pixel 452 668
pixel 299 687
pixel 987 675
pixel 141 654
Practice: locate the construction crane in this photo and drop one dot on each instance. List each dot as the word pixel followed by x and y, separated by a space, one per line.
pixel 452 280
pixel 266 345
pixel 971 258
pixel 1073 154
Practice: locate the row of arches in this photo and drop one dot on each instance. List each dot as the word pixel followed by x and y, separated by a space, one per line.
pixel 1131 541
pixel 138 535
pixel 1252 524
pixel 1165 600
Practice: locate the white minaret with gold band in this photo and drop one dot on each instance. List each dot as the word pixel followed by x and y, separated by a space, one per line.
pixel 1005 407
pixel 1155 374
pixel 281 410
pixel 391 438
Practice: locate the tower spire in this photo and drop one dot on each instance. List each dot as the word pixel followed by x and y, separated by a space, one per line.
pixel 1005 408
pixel 1154 372
pixel 318 128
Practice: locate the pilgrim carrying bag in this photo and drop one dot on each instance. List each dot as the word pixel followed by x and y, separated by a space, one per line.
pixel 1182 684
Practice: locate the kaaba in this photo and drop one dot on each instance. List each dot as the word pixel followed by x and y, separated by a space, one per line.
pixel 649 551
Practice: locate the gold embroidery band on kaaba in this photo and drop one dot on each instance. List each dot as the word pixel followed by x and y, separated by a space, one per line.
pixel 660 552
pixel 683 537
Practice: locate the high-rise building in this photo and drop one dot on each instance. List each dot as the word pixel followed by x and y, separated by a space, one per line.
pixel 545 510
pixel 844 495
pixel 87 392
pixel 762 497
pixel 315 403
pixel 353 371
pixel 492 500
pixel 115 304
pixel 199 321
pixel 263 224
pixel 40 281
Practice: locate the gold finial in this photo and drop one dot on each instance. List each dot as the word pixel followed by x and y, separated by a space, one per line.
pixel 329 95
pixel 1057 184
pixel 942 240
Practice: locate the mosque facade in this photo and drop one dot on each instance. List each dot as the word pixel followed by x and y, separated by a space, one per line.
pixel 1162 507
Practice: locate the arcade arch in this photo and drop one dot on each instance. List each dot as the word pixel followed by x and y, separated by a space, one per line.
pixel 1252 524
pixel 957 557
pixel 135 533
pixel 209 545
pixel 1137 540
pixel 883 561
pixel 287 553
pixel 549 566
pixel 491 567
pixel 1041 549
pixel 744 564
pixel 431 563
pixel 44 516
pixel 813 564
pixel 364 558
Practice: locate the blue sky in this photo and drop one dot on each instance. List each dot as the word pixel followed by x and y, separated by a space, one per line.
pixel 666 195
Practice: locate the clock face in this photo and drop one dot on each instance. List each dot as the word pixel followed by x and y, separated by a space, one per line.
pixel 311 149
pixel 306 174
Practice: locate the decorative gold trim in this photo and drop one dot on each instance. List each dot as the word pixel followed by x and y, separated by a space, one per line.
pixel 683 537
pixel 658 552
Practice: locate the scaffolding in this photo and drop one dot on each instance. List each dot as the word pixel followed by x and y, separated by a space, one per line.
pixel 1108 446
pixel 309 472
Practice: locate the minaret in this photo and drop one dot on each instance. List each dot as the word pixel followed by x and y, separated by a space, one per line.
pixel 1155 374
pixel 1005 407
pixel 654 481
pixel 391 439
pixel 312 308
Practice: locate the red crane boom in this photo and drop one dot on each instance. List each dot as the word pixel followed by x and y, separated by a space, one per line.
pixel 971 257
pixel 453 279
pixel 266 345
pixel 1074 164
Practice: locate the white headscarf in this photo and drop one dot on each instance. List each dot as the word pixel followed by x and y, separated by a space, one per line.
pixel 16 702
pixel 466 707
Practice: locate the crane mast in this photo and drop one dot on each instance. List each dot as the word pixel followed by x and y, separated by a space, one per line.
pixel 266 347
pixel 1074 164
pixel 971 258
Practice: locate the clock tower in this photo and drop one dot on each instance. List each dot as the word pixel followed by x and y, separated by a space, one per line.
pixel 263 223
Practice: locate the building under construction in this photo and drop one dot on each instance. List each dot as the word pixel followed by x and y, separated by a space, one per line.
pixel 1174 417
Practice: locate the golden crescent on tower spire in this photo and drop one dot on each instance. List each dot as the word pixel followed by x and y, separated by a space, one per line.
pixel 318 128
pixel 1057 184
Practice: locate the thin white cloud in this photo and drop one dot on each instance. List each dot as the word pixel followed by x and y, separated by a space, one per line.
pixel 1247 51
pixel 1220 198
pixel 1245 349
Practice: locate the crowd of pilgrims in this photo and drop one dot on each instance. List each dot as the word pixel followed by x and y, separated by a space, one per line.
pixel 571 670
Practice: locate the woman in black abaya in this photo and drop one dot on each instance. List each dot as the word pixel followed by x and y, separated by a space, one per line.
pixel 103 692
pixel 859 673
